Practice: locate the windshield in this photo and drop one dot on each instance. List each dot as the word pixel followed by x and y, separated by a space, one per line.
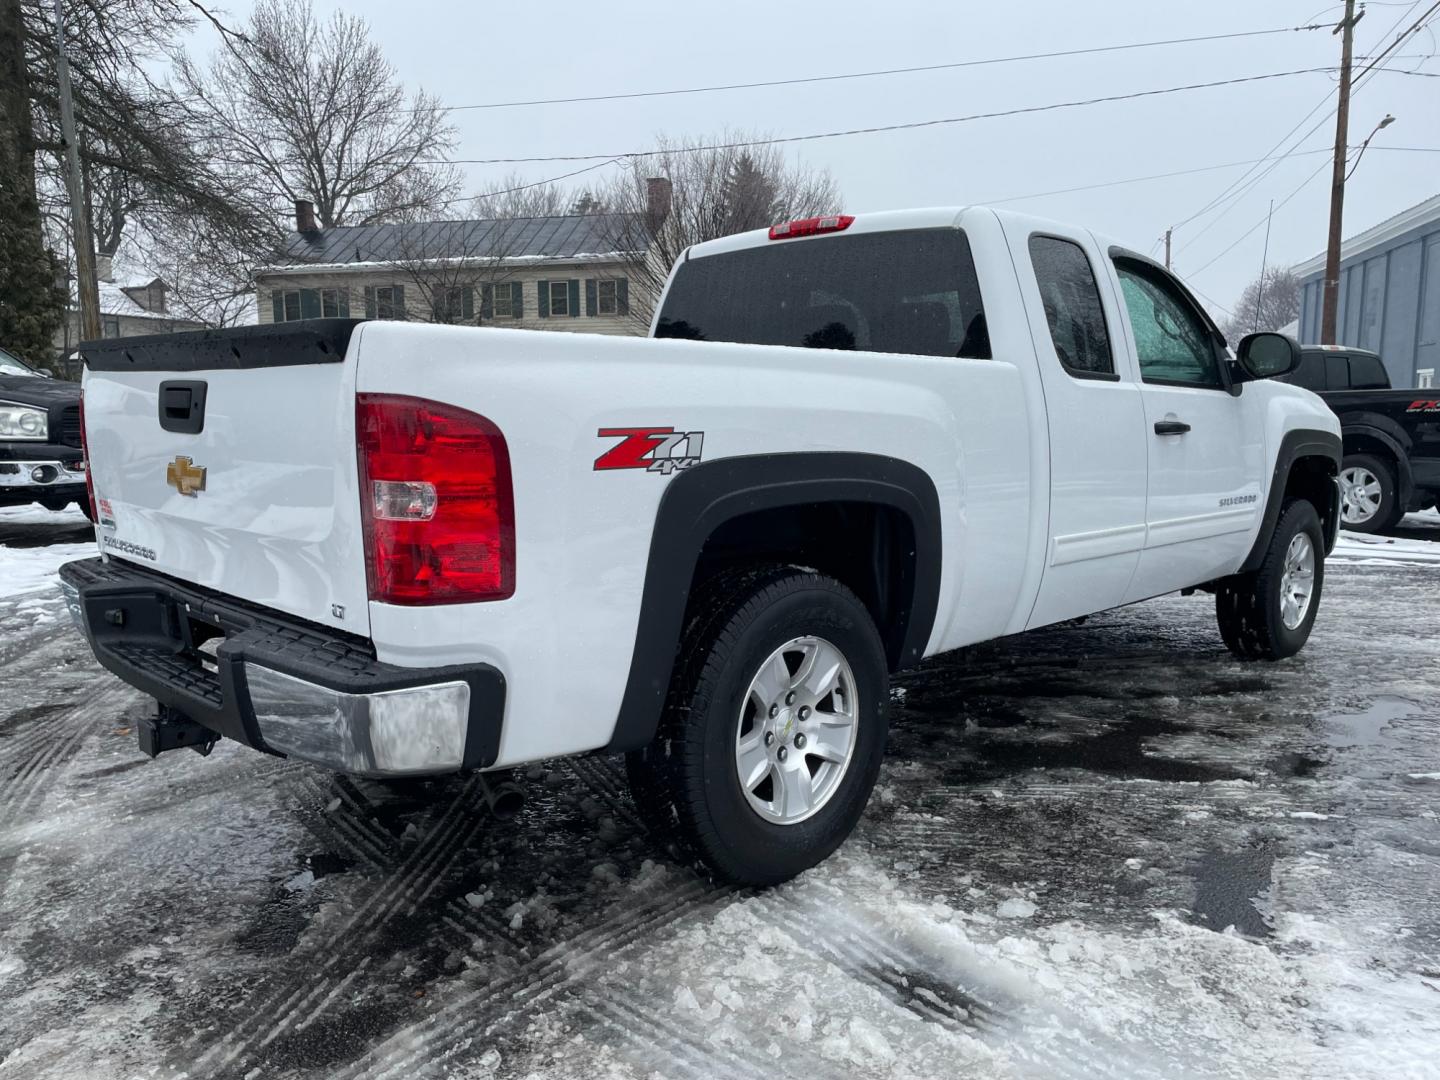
pixel 911 291
pixel 10 365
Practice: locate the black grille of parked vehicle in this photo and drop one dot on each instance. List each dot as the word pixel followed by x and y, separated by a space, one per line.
pixel 67 426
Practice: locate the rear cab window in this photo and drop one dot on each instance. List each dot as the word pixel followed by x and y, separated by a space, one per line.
pixel 910 291
pixel 1073 310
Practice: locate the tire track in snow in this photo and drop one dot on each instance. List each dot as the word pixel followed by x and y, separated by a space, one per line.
pixel 563 967
pixel 57 739
pixel 335 960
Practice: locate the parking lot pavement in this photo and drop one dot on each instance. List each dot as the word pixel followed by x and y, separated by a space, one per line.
pixel 1099 850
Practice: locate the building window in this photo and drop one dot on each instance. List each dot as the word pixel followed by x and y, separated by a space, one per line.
pixel 453 303
pixel 559 297
pixel 385 301
pixel 110 326
pixel 503 301
pixel 292 304
pixel 607 302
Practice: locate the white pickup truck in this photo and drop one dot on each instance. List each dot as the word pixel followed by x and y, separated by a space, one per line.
pixel 402 549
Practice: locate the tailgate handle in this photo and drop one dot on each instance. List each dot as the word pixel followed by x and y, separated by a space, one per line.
pixel 182 406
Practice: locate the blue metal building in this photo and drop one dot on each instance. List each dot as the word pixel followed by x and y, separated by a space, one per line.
pixel 1389 294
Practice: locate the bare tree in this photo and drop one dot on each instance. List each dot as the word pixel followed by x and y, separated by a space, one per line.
pixel 1268 303
pixel 704 193
pixel 513 197
pixel 460 271
pixel 307 109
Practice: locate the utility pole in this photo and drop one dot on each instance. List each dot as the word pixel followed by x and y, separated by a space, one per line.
pixel 85 285
pixel 1330 288
pixel 1167 248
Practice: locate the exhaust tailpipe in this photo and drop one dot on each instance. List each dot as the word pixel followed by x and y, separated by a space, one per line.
pixel 504 799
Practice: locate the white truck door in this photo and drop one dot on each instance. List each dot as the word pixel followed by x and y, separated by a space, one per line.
pixel 1205 460
pixel 1096 424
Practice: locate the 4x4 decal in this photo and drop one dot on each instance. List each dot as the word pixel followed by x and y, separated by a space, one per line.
pixel 654 449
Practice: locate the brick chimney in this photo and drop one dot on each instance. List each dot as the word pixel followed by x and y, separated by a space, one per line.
pixel 657 202
pixel 305 217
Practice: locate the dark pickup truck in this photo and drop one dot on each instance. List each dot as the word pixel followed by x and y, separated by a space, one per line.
pixel 40 456
pixel 1392 437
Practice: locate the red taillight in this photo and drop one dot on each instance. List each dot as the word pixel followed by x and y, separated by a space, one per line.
pixel 85 454
pixel 436 500
pixel 811 226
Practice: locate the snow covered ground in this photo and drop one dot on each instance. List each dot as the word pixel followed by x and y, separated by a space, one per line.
pixel 1105 850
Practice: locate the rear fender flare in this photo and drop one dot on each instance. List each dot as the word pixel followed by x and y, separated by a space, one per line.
pixel 702 498
pixel 1392 437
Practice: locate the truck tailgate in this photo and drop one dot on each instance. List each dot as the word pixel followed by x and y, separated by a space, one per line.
pixel 226 458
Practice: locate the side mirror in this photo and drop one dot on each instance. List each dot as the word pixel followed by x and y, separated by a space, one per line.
pixel 1266 355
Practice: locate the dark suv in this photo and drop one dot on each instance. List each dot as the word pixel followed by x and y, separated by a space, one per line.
pixel 40 456
pixel 1392 437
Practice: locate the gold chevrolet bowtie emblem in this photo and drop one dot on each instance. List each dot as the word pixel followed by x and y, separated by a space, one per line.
pixel 185 476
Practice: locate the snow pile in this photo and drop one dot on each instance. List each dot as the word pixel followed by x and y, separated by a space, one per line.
pixel 35 514
pixel 1365 549
pixel 30 570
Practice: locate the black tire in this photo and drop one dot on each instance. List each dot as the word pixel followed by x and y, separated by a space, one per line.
pixel 84 505
pixel 686 783
pixel 1389 511
pixel 1248 606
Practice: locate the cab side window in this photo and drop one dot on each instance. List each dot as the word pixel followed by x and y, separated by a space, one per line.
pixel 1174 344
pixel 1072 307
pixel 1337 372
pixel 1310 374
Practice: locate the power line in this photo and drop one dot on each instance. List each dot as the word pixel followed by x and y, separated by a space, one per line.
pixel 1247 233
pixel 1026 110
pixel 1239 188
pixel 1235 185
pixel 985 62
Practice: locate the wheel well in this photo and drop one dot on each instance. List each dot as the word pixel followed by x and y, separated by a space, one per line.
pixel 1313 479
pixel 1361 443
pixel 868 547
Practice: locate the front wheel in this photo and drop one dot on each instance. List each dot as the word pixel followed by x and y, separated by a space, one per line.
pixel 1369 497
pixel 1268 614
pixel 774 729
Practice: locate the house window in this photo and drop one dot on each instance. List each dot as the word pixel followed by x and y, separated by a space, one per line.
pixel 502 301
pixel 559 297
pixel 453 303
pixel 607 300
pixel 292 304
pixel 110 326
pixel 334 303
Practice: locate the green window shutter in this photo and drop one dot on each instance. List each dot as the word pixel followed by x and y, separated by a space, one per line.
pixel 370 301
pixel 342 302
pixel 400 302
pixel 544 299
pixel 277 305
pixel 517 299
pixel 309 303
pixel 467 303
pixel 487 302
pixel 574 291
pixel 622 296
pixel 590 296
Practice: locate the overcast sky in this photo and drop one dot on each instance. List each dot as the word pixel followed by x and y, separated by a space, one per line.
pixel 470 54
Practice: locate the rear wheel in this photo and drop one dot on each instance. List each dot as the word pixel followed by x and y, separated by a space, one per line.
pixel 774 729
pixel 1369 501
pixel 1268 614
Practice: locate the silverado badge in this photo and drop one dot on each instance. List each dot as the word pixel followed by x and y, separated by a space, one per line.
pixel 185 476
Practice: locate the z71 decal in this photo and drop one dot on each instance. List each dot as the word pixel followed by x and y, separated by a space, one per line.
pixel 654 449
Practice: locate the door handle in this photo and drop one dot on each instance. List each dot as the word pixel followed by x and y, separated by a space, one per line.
pixel 1171 427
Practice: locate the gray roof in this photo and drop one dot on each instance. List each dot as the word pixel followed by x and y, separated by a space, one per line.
pixel 561 237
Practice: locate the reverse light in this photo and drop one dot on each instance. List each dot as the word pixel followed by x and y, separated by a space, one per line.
pixel 811 226
pixel 436 498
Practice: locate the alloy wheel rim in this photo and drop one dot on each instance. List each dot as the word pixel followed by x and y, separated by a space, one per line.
pixel 1297 581
pixel 1360 495
pixel 795 736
